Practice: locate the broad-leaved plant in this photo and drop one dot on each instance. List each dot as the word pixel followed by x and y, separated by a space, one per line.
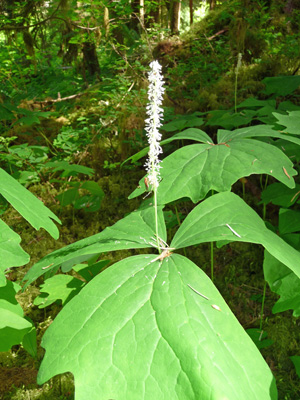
pixel 154 326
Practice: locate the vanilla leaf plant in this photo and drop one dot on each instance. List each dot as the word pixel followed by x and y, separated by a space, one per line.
pixel 14 327
pixel 154 326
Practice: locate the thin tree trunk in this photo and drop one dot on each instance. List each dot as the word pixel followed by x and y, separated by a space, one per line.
pixel 106 21
pixel 191 12
pixel 142 12
pixel 212 4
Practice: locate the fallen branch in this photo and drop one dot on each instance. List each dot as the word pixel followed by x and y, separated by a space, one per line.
pixel 217 34
pixel 50 101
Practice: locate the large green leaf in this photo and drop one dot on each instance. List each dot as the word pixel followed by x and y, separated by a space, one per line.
pixel 189 134
pixel 32 209
pixel 137 230
pixel 225 216
pixel 139 330
pixel 194 170
pixel 11 253
pixel 283 282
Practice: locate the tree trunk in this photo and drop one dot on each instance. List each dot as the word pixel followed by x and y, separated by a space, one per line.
pixel 191 12
pixel 212 4
pixel 90 58
pixel 106 21
pixel 175 17
pixel 142 12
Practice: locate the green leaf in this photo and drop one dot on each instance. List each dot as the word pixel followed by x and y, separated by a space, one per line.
pixel 291 121
pixel 292 151
pixel 225 216
pixel 189 134
pixel 29 120
pixel 93 188
pixel 259 338
pixel 138 331
pixel 8 298
pixel 32 209
pixel 68 197
pixel 13 326
pixel 5 113
pixel 88 203
pixel 296 362
pixel 288 106
pixel 280 195
pixel 58 287
pixel 134 231
pixel 88 272
pixel 289 221
pixel 11 253
pixel 12 329
pixel 281 85
pixel 194 170
pixel 254 131
pixel 252 102
pixel 69 169
pixel 229 120
pixel 283 282
pixel 185 121
pixel 29 342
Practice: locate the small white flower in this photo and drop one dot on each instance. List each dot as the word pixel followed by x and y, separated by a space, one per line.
pixel 155 114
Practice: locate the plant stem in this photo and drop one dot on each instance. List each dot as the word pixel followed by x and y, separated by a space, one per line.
pixel 212 261
pixel 156 219
pixel 264 205
pixel 179 223
pixel 235 91
pixel 262 306
pixel 177 215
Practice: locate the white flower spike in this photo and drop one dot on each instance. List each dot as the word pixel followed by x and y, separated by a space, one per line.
pixel 153 123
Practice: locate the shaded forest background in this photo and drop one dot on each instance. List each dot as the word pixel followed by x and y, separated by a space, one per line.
pixel 73 95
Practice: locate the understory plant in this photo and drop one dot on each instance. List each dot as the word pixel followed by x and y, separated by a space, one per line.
pixel 153 325
pixel 14 327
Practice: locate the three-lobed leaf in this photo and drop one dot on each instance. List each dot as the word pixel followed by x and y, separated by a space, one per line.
pixel 226 217
pixel 139 330
pixel 136 230
pixel 194 170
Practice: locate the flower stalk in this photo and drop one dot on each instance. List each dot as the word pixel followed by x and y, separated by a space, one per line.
pixel 153 123
pixel 238 66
